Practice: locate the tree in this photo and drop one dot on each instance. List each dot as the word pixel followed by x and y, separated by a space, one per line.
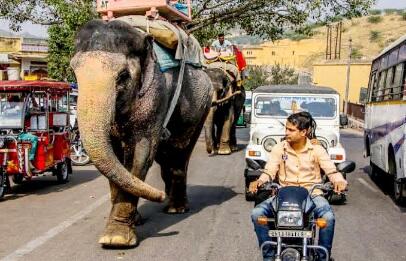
pixel 283 75
pixel 266 75
pixel 62 36
pixel 265 18
pixel 270 18
pixel 257 76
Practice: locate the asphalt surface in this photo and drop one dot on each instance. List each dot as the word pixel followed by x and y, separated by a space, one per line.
pixel 41 220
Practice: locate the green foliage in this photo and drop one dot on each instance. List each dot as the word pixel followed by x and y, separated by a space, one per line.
pixel 390 11
pixel 356 53
pixel 375 12
pixel 283 75
pixel 272 19
pixel 61 38
pixel 257 76
pixel 374 19
pixel 264 75
pixel 263 18
pixel 404 16
pixel 374 36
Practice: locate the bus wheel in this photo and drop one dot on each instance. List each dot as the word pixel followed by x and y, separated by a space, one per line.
pixel 398 185
pixel 374 170
pixel 399 188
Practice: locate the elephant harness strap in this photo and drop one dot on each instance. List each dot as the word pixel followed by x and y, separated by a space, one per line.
pixel 166 133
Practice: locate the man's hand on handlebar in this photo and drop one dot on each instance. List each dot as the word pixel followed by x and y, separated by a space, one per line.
pixel 264 178
pixel 339 183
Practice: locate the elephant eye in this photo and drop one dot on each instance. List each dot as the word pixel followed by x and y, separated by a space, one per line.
pixel 123 77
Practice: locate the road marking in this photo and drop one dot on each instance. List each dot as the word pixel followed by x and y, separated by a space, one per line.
pixel 39 241
pixel 363 182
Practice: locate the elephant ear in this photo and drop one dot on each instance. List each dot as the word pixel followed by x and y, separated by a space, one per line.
pixel 149 67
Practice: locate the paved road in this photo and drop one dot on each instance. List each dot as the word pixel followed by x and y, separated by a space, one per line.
pixel 41 220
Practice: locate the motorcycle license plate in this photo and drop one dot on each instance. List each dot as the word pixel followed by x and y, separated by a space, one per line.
pixel 290 233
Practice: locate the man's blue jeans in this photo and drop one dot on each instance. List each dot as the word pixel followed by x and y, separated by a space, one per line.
pixel 323 209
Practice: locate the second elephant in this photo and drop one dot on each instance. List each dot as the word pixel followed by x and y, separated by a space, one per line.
pixel 227 103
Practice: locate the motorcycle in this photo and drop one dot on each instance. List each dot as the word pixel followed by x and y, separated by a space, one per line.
pixel 295 228
pixel 78 154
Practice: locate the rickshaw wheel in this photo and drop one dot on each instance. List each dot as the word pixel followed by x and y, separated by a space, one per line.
pixel 18 178
pixel 4 183
pixel 62 173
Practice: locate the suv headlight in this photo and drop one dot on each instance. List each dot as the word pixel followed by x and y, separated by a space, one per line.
pixel 290 219
pixel 268 144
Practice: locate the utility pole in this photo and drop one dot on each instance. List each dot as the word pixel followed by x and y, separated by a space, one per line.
pixel 347 87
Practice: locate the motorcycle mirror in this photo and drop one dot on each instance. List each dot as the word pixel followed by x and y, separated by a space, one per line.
pixel 346 167
pixel 252 164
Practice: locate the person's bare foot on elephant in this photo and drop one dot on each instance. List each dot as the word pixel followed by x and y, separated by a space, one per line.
pixel 119 235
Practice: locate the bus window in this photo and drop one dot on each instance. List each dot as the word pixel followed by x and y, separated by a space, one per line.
pixel 398 82
pixel 381 85
pixel 371 86
pixel 388 84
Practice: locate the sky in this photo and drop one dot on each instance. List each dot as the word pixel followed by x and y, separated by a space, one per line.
pixel 40 31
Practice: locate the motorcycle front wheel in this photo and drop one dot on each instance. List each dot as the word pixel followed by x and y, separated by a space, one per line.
pixel 78 155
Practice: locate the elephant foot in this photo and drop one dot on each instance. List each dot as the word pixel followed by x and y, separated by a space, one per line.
pixel 119 235
pixel 234 148
pixel 224 151
pixel 176 209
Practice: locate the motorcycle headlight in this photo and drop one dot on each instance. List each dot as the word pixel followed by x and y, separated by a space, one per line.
pixel 290 219
pixel 268 144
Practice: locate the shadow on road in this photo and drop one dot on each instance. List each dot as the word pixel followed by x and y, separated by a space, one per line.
pixel 48 184
pixel 384 182
pixel 200 197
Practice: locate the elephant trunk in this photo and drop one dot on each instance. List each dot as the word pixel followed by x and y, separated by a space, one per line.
pixel 96 110
pixel 225 99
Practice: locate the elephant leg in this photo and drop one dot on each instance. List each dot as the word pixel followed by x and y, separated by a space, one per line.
pixel 224 148
pixel 208 130
pixel 174 164
pixel 233 138
pixel 174 175
pixel 120 228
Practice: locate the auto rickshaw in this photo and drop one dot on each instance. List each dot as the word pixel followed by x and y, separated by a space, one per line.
pixel 34 131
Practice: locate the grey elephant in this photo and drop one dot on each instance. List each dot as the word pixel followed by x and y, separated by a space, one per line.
pixel 123 100
pixel 227 103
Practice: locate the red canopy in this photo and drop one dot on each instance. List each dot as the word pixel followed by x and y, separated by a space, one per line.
pixel 33 85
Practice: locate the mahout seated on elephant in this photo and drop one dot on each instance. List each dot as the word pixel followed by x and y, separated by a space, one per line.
pixel 123 101
pixel 227 103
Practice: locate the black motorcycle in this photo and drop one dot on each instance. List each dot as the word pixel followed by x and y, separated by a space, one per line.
pixel 294 231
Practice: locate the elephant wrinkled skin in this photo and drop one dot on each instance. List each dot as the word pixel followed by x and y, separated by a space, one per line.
pixel 123 100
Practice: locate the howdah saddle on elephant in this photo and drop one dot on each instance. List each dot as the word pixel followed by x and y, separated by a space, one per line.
pixel 124 98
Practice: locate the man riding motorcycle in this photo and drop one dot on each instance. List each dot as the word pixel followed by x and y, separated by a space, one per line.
pixel 297 161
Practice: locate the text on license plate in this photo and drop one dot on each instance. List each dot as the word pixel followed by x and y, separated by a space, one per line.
pixel 290 233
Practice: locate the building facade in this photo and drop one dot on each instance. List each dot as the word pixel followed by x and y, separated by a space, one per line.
pixel 334 74
pixel 23 58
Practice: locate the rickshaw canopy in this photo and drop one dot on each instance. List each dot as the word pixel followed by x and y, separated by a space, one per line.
pixel 24 86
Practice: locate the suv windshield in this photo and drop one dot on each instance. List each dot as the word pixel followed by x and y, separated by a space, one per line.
pixel 11 110
pixel 318 107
